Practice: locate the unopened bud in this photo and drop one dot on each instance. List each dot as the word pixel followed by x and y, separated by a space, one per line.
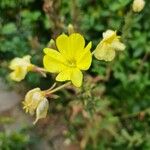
pixel 138 5
pixel 52 44
pixel 70 29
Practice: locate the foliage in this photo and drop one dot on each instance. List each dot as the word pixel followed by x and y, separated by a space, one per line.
pixel 14 141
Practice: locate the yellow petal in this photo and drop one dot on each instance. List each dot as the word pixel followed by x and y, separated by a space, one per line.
pixel 27 58
pixel 24 62
pixel 104 52
pixel 85 59
pixel 70 46
pixel 15 62
pixel 76 77
pixel 108 34
pixel 117 45
pixel 73 74
pixel 41 110
pixel 19 74
pixel 64 75
pixel 76 44
pixel 53 61
pixel 62 44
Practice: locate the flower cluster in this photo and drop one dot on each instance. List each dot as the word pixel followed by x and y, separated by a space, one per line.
pixel 68 60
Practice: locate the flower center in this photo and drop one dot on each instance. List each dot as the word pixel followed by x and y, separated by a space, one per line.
pixel 71 63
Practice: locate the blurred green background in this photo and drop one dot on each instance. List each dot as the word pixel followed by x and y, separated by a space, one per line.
pixel 116 94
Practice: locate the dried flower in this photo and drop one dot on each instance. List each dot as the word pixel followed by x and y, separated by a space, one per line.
pixel 35 101
pixel 106 49
pixel 20 67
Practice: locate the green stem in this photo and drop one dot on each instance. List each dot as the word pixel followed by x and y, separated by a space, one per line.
pixel 128 25
pixel 58 88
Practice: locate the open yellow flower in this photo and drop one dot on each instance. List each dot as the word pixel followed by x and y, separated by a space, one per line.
pixel 35 101
pixel 72 57
pixel 20 67
pixel 106 49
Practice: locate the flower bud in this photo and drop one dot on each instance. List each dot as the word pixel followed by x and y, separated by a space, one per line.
pixel 52 44
pixel 138 5
pixel 70 29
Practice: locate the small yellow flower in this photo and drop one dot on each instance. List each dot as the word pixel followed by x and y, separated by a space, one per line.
pixel 20 67
pixel 72 57
pixel 35 101
pixel 106 49
pixel 138 5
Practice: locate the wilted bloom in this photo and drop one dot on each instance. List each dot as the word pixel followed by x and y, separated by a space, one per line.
pixel 138 5
pixel 36 102
pixel 72 57
pixel 20 67
pixel 106 49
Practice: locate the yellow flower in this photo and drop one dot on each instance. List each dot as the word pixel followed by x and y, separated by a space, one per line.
pixel 20 67
pixel 72 57
pixel 138 5
pixel 106 49
pixel 35 101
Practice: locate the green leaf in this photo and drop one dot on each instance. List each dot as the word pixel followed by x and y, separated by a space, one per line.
pixel 9 28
